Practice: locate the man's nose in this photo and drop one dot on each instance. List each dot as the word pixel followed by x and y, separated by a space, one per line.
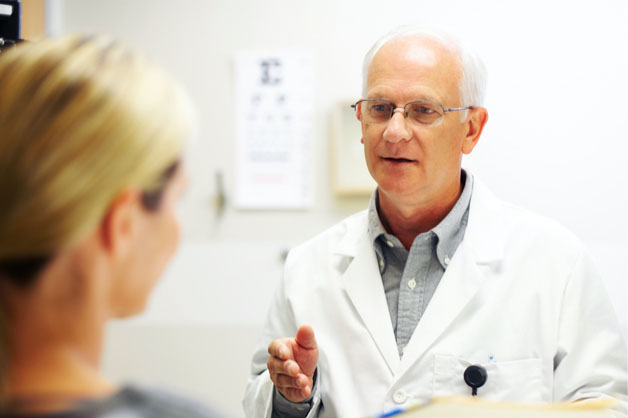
pixel 397 128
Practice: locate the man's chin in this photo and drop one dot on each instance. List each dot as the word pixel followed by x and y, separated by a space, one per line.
pixel 398 189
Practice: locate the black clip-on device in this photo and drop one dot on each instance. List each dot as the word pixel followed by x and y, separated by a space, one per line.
pixel 475 377
pixel 10 23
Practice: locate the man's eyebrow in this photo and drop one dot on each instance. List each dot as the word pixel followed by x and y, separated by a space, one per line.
pixel 415 99
pixel 425 98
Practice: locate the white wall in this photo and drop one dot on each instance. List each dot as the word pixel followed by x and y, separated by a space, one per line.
pixel 555 143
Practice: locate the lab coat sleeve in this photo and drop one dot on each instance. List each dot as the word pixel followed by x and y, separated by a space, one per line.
pixel 280 323
pixel 591 358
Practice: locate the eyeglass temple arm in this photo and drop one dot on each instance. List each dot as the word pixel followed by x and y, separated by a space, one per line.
pixel 453 109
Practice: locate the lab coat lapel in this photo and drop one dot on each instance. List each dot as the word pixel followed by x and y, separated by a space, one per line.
pixel 480 251
pixel 459 284
pixel 363 284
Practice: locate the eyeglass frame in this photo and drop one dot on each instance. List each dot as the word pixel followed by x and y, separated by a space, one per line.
pixel 354 106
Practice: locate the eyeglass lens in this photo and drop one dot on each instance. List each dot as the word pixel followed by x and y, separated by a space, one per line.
pixel 423 113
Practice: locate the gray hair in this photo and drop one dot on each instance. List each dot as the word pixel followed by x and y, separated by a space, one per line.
pixel 473 80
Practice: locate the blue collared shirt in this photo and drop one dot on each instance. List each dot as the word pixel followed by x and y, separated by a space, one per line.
pixel 410 277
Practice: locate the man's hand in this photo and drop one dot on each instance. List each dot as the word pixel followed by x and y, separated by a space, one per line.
pixel 292 364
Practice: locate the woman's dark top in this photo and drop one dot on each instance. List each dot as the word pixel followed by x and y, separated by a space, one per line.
pixel 131 402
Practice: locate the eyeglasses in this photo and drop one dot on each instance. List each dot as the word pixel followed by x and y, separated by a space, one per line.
pixel 420 111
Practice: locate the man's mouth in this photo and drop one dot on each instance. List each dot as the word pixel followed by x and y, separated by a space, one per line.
pixel 398 160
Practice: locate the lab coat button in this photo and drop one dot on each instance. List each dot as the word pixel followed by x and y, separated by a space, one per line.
pixel 412 284
pixel 399 397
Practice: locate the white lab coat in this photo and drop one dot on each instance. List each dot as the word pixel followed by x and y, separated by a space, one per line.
pixel 520 297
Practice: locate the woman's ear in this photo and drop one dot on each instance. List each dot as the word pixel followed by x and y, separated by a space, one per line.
pixel 119 225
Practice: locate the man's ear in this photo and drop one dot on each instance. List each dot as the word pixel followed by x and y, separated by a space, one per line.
pixel 475 124
pixel 118 227
pixel 358 115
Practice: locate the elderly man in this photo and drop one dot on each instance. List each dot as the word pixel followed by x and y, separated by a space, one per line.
pixel 439 288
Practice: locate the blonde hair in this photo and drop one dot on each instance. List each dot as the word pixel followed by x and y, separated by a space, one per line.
pixel 80 120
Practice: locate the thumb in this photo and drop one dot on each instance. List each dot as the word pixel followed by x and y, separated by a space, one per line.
pixel 305 337
pixel 306 350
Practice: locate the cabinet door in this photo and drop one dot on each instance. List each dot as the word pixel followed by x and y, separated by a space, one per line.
pixel 33 19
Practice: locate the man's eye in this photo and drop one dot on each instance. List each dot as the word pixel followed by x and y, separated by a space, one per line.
pixel 381 108
pixel 424 110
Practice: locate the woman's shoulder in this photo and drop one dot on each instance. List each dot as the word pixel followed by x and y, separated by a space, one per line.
pixel 140 402
pixel 133 402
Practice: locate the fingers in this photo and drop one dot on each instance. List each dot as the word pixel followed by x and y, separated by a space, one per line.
pixel 279 349
pixel 292 363
pixel 287 367
pixel 299 382
pixel 305 337
pixel 295 389
pixel 289 380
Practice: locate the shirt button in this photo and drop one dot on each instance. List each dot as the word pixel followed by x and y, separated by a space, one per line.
pixel 447 260
pixel 381 264
pixel 412 284
pixel 390 243
pixel 399 397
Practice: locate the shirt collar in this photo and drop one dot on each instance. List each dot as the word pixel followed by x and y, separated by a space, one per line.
pixel 375 224
pixel 375 230
pixel 449 231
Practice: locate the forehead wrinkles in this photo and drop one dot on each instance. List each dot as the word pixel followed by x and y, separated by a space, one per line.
pixel 422 61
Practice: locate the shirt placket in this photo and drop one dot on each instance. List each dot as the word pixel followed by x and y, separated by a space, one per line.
pixel 412 290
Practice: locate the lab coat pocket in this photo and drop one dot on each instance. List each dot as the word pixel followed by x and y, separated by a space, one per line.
pixel 516 381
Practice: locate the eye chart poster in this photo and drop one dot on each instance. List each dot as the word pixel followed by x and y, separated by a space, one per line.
pixel 274 96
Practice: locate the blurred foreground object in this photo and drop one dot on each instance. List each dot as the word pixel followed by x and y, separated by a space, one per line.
pixel 478 408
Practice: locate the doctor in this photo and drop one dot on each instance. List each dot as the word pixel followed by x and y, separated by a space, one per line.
pixel 437 274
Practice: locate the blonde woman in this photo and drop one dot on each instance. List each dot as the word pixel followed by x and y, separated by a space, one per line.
pixel 90 172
